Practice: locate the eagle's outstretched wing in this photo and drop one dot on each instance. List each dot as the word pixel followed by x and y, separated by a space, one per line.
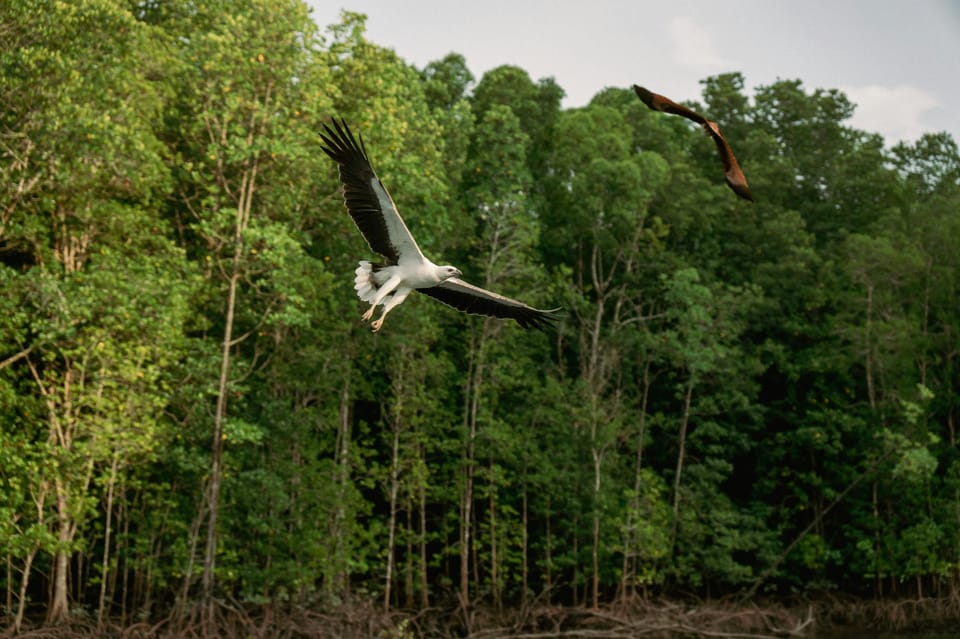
pixel 473 299
pixel 734 175
pixel 367 199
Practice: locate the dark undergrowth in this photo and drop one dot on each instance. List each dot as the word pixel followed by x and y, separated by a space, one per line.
pixel 926 614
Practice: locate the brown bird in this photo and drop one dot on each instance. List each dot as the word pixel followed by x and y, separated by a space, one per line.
pixel 735 178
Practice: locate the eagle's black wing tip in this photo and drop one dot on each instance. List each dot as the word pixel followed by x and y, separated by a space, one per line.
pixel 334 141
pixel 340 139
pixel 540 319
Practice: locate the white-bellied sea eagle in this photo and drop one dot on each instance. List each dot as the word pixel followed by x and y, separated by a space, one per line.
pixel 406 268
pixel 736 180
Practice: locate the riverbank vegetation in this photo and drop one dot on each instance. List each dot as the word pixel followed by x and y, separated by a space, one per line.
pixel 747 401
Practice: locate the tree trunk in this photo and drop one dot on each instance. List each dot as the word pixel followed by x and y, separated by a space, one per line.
pixel 595 549
pixel 876 537
pixel 466 505
pixel 422 497
pixel 548 554
pixel 524 542
pixel 340 577
pixel 22 594
pixel 195 526
pixel 127 594
pixel 61 438
pixel 408 563
pixel 630 543
pixel 494 559
pixel 868 347
pixel 684 422
pixel 59 604
pixel 39 500
pixel 474 386
pixel 216 450
pixel 244 203
pixel 576 553
pixel 107 531
pixel 392 521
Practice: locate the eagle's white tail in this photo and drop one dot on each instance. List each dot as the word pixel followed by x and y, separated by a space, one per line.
pixel 364 282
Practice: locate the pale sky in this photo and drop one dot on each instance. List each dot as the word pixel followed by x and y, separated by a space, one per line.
pixel 898 60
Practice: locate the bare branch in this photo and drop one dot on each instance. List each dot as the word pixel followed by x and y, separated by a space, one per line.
pixel 16 357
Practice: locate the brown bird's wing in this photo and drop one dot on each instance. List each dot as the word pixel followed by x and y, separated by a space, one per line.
pixel 735 178
pixel 658 102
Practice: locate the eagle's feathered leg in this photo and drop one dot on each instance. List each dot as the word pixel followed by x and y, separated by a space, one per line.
pixel 395 299
pixel 385 289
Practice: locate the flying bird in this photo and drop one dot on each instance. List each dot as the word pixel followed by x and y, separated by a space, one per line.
pixel 735 178
pixel 405 268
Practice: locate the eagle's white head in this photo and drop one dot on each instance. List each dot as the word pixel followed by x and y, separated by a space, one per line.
pixel 446 272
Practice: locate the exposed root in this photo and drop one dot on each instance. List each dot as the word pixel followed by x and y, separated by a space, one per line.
pixel 362 619
pixel 656 620
pixel 930 613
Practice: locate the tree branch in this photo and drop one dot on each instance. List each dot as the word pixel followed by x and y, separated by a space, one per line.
pixel 16 357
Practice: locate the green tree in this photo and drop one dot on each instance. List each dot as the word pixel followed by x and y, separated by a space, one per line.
pixel 446 81
pixel 600 211
pixel 495 183
pixel 246 105
pixel 85 174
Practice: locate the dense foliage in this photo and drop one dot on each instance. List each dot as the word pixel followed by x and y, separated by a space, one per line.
pixel 739 398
